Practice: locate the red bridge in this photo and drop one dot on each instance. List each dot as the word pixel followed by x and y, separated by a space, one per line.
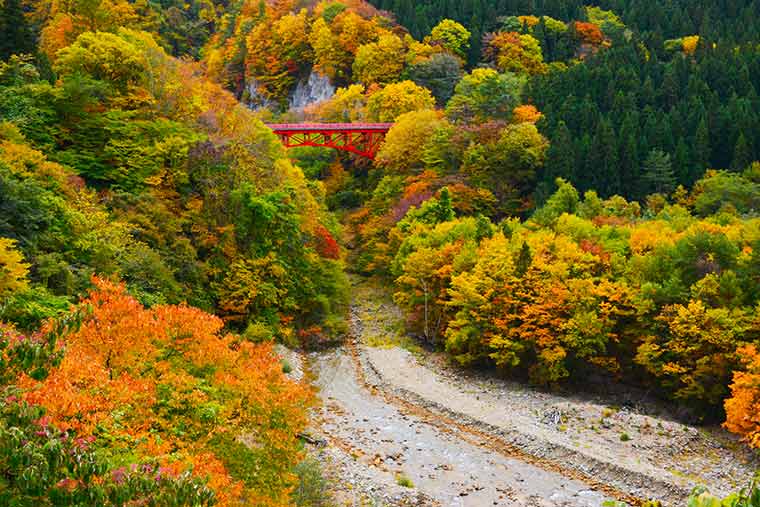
pixel 360 138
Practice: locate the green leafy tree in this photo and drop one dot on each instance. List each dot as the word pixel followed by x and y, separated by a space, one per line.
pixel 452 36
pixel 564 200
pixel 331 11
pixel 440 74
pixel 722 189
pixel 484 94
pixel 509 165
pixel 105 57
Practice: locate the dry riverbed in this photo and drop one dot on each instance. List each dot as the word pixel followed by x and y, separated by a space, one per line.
pixel 408 429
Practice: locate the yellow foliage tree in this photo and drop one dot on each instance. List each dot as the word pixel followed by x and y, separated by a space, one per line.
pixel 695 358
pixel 396 99
pixel 401 151
pixel 379 62
pixel 690 44
pixel 418 51
pixel 330 57
pixel 529 21
pixel 352 31
pixel 13 269
pixel 64 21
pixel 105 56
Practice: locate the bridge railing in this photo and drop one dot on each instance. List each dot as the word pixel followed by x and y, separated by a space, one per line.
pixel 329 127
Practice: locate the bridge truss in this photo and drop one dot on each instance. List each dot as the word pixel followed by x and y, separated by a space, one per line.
pixel 363 139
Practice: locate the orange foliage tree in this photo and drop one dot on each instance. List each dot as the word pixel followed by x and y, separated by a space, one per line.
pixel 588 32
pixel 166 384
pixel 743 406
pixel 526 113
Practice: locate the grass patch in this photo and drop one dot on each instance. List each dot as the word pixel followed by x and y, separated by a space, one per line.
pixel 286 366
pixel 388 341
pixel 404 481
pixel 625 437
pixel 382 341
pixel 412 346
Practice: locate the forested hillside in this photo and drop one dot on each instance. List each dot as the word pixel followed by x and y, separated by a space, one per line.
pixel 136 195
pixel 681 79
pixel 569 194
pixel 730 21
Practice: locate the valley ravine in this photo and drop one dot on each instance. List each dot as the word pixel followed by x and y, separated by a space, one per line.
pixel 398 433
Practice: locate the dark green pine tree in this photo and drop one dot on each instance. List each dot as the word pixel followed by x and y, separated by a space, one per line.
pixel 465 11
pixel 406 11
pixel 444 211
pixel 657 173
pixel 650 130
pixel 723 135
pixel 628 158
pixel 701 149
pixel 15 34
pixel 524 260
pixel 682 164
pixel 483 227
pixel 451 10
pixel 539 32
pixel 588 115
pixel 742 154
pixel 560 162
pixel 647 94
pixel 603 160
pixel 583 163
pixel 477 14
pixel 473 54
pixel 423 22
pixel 476 29
pixel 561 154
pixel 664 134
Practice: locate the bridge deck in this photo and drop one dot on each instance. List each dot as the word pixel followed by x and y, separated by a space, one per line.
pixel 330 127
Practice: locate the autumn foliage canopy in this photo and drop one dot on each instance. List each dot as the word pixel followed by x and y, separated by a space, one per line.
pixel 164 386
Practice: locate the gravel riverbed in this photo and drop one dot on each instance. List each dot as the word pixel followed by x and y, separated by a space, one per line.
pixel 409 429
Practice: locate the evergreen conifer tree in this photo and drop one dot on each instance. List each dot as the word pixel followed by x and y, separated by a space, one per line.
pixel 742 154
pixel 15 35
pixel 657 173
